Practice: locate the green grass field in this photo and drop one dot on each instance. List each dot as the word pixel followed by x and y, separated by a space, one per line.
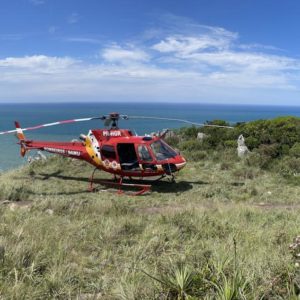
pixel 222 231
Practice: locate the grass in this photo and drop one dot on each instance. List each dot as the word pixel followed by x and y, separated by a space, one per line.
pixel 221 232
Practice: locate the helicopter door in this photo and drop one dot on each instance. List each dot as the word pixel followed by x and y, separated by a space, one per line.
pixel 128 157
pixel 146 158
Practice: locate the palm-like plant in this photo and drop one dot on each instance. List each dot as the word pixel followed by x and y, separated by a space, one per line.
pixel 231 287
pixel 178 281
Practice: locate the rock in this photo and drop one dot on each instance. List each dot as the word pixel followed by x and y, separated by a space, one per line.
pixel 201 136
pixel 242 149
pixel 49 211
pixel 41 155
pixel 166 133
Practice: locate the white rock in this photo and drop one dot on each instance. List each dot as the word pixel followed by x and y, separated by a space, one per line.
pixel 242 148
pixel 49 211
pixel 201 136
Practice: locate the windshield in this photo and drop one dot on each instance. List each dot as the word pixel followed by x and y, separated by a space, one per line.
pixel 162 151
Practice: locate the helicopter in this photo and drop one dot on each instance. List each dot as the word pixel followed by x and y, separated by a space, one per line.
pixel 115 150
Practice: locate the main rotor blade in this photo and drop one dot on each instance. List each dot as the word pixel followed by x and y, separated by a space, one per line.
pixel 52 124
pixel 180 120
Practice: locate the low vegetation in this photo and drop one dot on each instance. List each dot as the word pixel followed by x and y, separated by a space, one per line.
pixel 227 229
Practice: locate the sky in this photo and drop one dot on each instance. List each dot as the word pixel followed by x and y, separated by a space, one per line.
pixel 202 51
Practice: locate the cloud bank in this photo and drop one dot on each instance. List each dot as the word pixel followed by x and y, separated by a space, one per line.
pixel 186 62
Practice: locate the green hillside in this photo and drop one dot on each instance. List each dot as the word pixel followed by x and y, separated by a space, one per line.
pixel 222 231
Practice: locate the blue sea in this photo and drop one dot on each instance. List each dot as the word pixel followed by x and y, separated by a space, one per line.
pixel 35 114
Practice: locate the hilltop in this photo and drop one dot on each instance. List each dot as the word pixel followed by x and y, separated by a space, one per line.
pixel 224 228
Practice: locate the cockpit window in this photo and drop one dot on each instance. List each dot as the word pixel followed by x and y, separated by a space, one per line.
pixel 162 151
pixel 144 153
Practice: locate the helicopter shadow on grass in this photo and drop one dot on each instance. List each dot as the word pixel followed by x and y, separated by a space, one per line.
pixel 160 186
pixel 164 186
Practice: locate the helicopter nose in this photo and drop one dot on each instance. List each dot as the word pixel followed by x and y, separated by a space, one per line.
pixel 180 165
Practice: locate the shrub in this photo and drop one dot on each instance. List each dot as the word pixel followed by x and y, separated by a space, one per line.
pixel 173 140
pixel 196 155
pixel 295 150
pixel 272 151
pixel 230 144
pixel 289 166
pixel 189 132
pixel 256 159
pixel 192 145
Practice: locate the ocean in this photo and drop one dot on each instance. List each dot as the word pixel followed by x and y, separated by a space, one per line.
pixel 35 114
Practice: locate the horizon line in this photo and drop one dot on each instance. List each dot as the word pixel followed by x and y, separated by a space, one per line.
pixel 147 102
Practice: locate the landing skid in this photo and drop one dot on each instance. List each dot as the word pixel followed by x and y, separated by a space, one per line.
pixel 142 188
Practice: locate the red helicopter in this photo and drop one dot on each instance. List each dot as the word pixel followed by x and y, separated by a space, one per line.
pixel 114 150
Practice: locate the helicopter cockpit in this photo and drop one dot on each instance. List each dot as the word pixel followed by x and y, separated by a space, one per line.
pixel 162 151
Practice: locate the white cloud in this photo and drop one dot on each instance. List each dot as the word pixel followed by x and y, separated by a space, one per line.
pixel 200 64
pixel 36 63
pixel 51 77
pixel 222 51
pixel 239 61
pixel 121 55
pixel 259 46
pixel 185 45
pixel 83 40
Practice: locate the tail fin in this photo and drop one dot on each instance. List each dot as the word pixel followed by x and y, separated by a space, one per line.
pixel 21 137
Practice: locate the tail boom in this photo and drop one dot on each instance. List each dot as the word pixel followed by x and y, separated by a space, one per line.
pixel 69 149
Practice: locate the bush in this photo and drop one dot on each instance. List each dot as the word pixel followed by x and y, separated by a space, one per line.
pixel 274 138
pixel 281 131
pixel 295 150
pixel 173 141
pixel 189 132
pixel 195 155
pixel 271 151
pixel 259 160
pixel 230 144
pixel 289 166
pixel 192 145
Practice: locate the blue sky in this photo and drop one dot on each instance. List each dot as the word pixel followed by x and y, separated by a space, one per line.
pixel 208 51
